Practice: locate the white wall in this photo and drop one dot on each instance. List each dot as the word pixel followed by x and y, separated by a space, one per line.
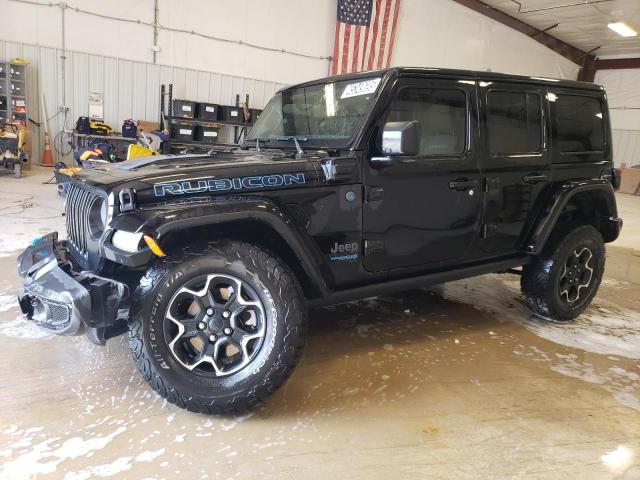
pixel 623 93
pixel 442 33
pixel 304 26
pixel 430 33
pixel 131 89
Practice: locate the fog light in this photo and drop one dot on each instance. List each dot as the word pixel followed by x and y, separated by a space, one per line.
pixel 127 241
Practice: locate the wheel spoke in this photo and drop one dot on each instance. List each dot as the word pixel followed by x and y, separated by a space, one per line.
pixel 206 300
pixel 190 328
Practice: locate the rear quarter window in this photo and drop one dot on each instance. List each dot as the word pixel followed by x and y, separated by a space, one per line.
pixel 579 123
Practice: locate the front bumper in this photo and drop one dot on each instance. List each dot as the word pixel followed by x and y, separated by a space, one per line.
pixel 63 301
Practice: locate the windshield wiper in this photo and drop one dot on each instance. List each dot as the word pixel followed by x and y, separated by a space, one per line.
pixel 258 140
pixel 296 140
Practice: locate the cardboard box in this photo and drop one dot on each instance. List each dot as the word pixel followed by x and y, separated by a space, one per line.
pixel 630 180
pixel 148 127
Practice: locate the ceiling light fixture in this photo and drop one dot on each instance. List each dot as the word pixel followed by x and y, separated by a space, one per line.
pixel 623 29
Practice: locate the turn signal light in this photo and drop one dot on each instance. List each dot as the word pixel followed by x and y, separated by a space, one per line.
pixel 153 245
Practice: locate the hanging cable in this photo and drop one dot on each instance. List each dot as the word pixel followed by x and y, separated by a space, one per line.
pixel 554 7
pixel 158 26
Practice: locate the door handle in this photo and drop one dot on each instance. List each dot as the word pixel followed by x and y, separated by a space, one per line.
pixel 381 162
pixel 462 184
pixel 534 178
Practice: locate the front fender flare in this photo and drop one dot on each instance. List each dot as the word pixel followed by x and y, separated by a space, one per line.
pixel 560 197
pixel 164 219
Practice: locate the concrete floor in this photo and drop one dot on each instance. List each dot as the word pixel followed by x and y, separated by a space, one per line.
pixel 452 382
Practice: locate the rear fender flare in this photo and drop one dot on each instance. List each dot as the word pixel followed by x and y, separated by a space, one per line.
pixel 560 197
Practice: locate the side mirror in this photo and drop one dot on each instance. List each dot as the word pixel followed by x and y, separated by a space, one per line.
pixel 401 138
pixel 398 138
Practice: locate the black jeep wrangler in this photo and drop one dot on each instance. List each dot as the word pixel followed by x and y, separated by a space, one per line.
pixel 346 187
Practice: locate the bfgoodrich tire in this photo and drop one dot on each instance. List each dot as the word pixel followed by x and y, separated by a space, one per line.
pixel 218 329
pixel 560 283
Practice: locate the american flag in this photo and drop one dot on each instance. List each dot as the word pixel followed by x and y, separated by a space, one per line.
pixel 365 30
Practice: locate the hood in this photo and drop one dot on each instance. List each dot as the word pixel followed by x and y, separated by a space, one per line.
pixel 171 177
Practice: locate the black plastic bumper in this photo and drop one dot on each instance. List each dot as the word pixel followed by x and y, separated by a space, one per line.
pixel 65 302
pixel 614 226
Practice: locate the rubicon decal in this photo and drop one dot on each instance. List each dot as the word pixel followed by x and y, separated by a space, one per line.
pixel 189 187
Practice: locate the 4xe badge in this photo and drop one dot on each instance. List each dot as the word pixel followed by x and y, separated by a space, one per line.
pixel 341 252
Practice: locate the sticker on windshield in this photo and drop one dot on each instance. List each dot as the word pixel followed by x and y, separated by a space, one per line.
pixel 360 88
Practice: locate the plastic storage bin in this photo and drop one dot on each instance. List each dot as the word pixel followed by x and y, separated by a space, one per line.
pixel 231 114
pixel 255 114
pixel 207 134
pixel 182 131
pixel 207 111
pixel 184 108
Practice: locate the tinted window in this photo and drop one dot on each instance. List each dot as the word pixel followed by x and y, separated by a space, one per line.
pixel 442 115
pixel 515 122
pixel 579 123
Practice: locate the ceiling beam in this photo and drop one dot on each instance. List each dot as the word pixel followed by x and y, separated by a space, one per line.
pixel 590 67
pixel 568 51
pixel 588 71
pixel 617 63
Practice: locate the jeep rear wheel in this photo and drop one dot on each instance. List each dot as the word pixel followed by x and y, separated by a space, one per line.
pixel 218 329
pixel 561 283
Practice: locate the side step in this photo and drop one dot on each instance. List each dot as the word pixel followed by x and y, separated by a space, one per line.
pixel 391 286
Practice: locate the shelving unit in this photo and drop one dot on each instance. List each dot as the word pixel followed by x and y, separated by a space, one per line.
pixel 4 93
pixel 176 145
pixel 17 83
pixel 13 92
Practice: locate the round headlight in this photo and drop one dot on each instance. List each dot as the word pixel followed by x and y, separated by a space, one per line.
pixel 98 217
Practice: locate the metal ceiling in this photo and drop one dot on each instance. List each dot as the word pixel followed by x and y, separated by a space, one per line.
pixel 581 23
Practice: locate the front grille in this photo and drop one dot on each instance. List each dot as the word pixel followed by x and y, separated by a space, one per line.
pixel 77 209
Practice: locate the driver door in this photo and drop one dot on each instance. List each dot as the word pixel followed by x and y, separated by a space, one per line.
pixel 422 211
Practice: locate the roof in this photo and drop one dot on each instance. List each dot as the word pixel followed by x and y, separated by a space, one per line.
pixel 582 24
pixel 447 72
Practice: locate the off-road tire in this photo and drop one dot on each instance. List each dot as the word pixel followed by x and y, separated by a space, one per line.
pixel 276 359
pixel 540 281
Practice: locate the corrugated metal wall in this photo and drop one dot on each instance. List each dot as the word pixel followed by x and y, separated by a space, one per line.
pixel 131 89
pixel 626 147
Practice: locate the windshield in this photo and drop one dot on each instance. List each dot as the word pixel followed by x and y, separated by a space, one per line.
pixel 323 116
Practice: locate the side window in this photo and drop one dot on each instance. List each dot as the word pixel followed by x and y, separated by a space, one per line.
pixel 442 114
pixel 579 123
pixel 514 120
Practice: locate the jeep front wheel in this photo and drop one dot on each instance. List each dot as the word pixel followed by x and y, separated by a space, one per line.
pixel 219 329
pixel 561 283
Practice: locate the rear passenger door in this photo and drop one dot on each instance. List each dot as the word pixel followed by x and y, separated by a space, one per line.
pixel 515 161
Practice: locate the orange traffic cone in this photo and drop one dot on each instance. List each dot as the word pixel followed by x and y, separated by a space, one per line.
pixel 47 157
